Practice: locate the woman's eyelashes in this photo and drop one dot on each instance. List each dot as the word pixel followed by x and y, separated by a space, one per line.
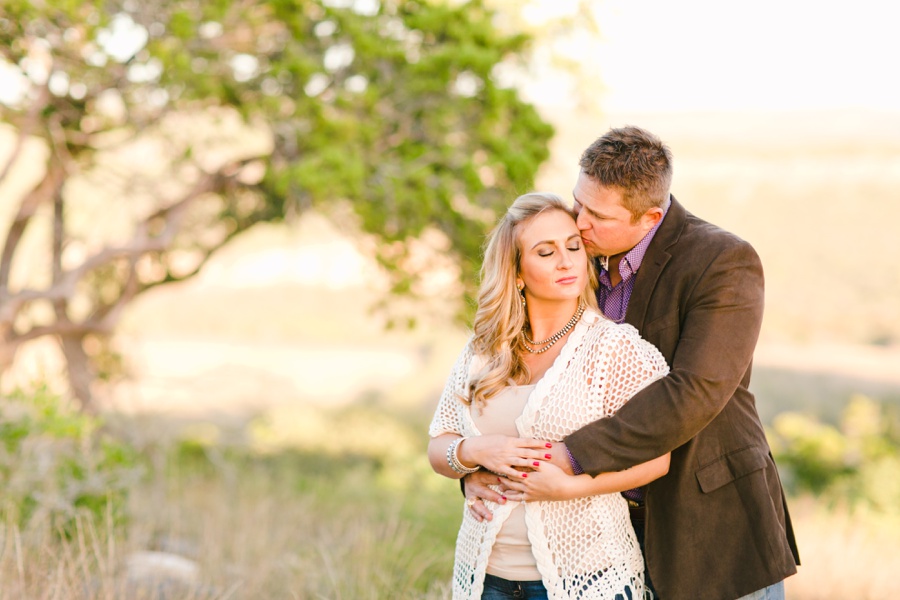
pixel 575 248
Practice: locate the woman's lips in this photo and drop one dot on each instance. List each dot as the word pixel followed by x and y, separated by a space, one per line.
pixel 567 280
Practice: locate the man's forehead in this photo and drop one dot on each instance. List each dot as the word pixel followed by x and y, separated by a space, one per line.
pixel 597 197
pixel 583 189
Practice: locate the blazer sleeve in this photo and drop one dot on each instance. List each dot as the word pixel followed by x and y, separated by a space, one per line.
pixel 719 328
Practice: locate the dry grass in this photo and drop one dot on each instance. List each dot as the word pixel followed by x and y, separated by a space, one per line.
pixel 844 554
pixel 331 504
pixel 248 532
pixel 253 538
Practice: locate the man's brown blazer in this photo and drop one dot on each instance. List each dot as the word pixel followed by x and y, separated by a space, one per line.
pixel 717 524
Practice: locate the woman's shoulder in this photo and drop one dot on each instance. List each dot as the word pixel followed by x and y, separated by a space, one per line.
pixel 606 331
pixel 600 326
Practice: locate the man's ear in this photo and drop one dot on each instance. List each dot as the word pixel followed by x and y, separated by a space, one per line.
pixel 651 218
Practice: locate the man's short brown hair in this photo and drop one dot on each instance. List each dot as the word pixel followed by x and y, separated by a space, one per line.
pixel 634 161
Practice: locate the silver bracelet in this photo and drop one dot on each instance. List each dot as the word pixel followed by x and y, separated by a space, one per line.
pixel 453 458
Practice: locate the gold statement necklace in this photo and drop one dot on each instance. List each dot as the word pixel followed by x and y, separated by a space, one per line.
pixel 556 336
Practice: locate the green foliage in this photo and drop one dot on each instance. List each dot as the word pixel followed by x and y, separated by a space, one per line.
pixel 56 464
pixel 857 463
pixel 397 113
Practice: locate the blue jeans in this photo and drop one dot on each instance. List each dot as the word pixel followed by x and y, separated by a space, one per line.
pixel 497 588
pixel 773 592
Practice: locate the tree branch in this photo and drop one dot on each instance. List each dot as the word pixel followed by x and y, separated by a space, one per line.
pixel 29 123
pixel 49 186
pixel 64 284
pixel 60 328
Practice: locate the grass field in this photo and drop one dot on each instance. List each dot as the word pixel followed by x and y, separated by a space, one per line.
pixel 347 509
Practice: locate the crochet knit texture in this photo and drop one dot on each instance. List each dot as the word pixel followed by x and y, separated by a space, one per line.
pixel 584 548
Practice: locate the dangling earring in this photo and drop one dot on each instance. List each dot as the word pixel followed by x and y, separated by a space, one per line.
pixel 521 288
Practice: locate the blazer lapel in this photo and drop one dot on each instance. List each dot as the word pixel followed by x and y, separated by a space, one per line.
pixel 654 261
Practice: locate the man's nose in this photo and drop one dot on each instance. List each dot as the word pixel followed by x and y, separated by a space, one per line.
pixel 581 220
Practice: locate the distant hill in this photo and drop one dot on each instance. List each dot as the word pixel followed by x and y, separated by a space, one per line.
pixel 817 193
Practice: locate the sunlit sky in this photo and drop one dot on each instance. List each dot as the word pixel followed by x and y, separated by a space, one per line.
pixel 664 55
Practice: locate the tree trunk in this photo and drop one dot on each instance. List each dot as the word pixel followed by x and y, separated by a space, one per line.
pixel 78 366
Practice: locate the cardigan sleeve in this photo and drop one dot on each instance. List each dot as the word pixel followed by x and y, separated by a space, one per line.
pixel 719 325
pixel 448 416
pixel 633 364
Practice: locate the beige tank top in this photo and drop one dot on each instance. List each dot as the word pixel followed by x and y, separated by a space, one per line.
pixel 511 557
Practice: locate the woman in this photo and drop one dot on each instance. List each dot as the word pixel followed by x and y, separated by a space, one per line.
pixel 542 362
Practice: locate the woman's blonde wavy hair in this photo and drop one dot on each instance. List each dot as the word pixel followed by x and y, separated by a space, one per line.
pixel 501 317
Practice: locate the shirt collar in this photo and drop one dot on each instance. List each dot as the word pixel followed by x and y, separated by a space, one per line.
pixel 631 262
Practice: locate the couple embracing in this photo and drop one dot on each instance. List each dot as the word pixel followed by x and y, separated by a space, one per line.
pixel 600 414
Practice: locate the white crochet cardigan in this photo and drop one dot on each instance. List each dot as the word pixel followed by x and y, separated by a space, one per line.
pixel 585 548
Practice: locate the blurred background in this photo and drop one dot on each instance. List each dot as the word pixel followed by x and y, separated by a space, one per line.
pixel 240 242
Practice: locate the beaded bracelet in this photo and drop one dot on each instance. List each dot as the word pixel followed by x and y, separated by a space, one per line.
pixel 453 458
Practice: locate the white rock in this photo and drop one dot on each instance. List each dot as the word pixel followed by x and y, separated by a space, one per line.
pixel 161 565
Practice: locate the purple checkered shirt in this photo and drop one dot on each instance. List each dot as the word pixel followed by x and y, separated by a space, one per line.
pixel 613 301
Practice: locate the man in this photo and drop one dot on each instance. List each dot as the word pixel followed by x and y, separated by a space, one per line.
pixel 717 525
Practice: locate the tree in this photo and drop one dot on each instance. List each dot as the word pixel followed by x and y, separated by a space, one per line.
pixel 565 41
pixel 390 108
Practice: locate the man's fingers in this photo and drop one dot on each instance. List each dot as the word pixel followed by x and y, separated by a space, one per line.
pixel 475 489
pixel 481 511
pixel 505 487
pixel 512 486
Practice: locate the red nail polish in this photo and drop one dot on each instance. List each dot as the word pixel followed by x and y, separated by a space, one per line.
pixel 536 463
pixel 549 445
pixel 524 474
pixel 503 498
pixel 547 456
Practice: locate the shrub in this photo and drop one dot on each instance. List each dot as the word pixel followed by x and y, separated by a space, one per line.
pixel 856 462
pixel 56 463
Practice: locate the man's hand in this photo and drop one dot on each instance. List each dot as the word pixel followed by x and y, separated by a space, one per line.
pixel 476 486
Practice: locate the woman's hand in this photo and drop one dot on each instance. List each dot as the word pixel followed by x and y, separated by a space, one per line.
pixel 549 482
pixel 546 482
pixel 504 455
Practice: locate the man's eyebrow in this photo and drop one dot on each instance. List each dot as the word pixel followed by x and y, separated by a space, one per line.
pixel 591 210
pixel 586 207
